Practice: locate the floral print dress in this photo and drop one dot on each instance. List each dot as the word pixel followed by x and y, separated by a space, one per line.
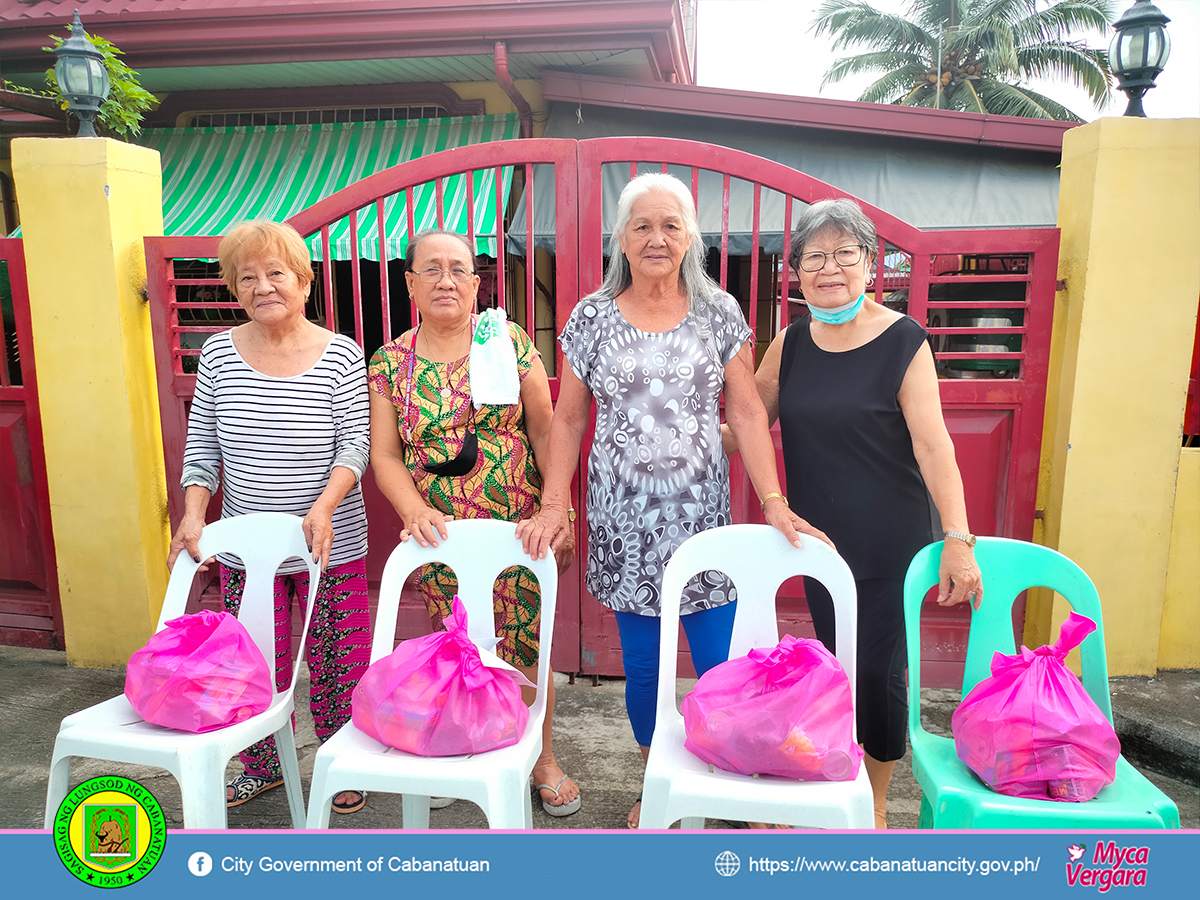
pixel 434 410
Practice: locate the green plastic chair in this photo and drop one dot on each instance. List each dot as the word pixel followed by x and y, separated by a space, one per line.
pixel 953 796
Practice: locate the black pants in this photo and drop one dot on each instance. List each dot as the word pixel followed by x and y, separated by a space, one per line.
pixel 881 694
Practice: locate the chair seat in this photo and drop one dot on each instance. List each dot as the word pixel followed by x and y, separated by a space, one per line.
pixel 958 799
pixel 680 785
pixel 113 726
pixel 497 781
pixel 357 752
pixel 112 730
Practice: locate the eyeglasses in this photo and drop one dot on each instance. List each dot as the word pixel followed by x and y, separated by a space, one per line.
pixel 814 260
pixel 433 275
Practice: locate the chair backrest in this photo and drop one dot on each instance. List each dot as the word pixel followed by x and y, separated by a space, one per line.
pixel 262 541
pixel 757 559
pixel 1008 567
pixel 477 550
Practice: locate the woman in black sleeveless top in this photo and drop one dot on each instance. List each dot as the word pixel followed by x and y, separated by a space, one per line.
pixel 868 460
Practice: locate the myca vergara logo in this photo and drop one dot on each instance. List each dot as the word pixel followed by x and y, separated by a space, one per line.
pixel 110 832
pixel 1110 866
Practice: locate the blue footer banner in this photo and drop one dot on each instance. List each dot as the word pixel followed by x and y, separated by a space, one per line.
pixel 118 846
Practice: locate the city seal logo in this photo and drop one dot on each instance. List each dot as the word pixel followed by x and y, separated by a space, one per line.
pixel 110 832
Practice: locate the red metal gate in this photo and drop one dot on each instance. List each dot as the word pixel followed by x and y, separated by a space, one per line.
pixel 30 615
pixel 987 297
pixel 365 202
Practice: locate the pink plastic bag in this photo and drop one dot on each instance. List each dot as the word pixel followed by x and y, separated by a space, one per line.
pixel 199 673
pixel 435 696
pixel 784 711
pixel 1031 730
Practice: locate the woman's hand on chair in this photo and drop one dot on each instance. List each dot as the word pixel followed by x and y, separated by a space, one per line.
pixel 780 516
pixel 541 532
pixel 959 578
pixel 187 538
pixel 426 525
pixel 318 533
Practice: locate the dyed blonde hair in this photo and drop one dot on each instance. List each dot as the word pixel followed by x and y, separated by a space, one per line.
pixel 261 240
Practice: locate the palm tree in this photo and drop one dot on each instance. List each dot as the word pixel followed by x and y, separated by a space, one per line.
pixel 971 55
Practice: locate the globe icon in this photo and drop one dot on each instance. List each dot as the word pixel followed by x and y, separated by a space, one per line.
pixel 727 863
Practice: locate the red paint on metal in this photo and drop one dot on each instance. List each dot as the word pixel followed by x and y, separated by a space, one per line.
pixel 501 281
pixel 754 262
pixel 30 612
pixel 1003 413
pixel 381 243
pixel 176 388
pixel 530 298
pixel 725 231
pixel 327 269
pixel 355 277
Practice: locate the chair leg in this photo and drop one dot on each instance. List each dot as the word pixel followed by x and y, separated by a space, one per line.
pixel 416 811
pixel 285 742
pixel 694 823
pixel 655 794
pixel 529 811
pixel 202 786
pixel 319 795
pixel 56 789
pixel 503 812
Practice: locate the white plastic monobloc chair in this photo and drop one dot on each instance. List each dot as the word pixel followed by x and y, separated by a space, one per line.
pixel 478 550
pixel 679 785
pixel 112 730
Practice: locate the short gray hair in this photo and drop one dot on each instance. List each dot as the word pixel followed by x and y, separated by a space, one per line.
pixel 842 216
pixel 695 281
pixel 410 257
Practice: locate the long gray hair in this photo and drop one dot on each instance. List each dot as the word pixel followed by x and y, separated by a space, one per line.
pixel 692 278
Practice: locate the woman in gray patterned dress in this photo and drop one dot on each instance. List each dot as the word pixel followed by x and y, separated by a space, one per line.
pixel 655 347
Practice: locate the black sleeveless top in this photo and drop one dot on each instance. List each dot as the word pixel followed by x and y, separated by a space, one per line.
pixel 847 451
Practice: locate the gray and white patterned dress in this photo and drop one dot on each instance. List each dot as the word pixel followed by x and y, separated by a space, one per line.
pixel 657 472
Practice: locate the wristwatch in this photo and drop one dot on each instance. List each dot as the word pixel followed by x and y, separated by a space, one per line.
pixel 968 539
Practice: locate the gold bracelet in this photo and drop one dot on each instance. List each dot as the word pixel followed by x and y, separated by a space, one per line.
pixel 774 495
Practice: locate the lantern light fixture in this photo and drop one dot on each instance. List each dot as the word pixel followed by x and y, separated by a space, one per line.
pixel 82 77
pixel 1139 51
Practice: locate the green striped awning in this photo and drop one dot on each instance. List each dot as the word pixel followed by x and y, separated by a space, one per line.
pixel 214 178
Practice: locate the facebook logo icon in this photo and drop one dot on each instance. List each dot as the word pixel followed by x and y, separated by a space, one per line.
pixel 200 864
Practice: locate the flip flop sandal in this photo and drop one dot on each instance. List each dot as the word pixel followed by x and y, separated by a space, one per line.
pixel 563 809
pixel 247 787
pixel 350 807
pixel 441 802
pixel 635 803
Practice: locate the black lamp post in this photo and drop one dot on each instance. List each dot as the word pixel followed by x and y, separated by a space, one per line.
pixel 81 77
pixel 1138 52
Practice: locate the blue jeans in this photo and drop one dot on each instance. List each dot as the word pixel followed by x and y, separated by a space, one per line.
pixel 708 633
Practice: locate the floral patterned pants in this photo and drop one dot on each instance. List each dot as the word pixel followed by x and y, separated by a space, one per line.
pixel 339 647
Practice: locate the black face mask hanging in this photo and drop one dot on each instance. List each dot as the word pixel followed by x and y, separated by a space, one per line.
pixel 464 462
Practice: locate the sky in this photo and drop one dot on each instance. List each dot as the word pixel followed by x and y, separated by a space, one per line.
pixel 767 45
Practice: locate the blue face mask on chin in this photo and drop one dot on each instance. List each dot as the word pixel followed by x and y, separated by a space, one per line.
pixel 840 315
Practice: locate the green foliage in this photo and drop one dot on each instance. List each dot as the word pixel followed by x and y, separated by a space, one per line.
pixel 121 114
pixel 989 48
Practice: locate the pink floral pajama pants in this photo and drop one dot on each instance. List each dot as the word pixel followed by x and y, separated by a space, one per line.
pixel 338 647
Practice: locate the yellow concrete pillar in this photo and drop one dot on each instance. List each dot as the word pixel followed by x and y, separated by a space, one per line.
pixel 1120 355
pixel 86 204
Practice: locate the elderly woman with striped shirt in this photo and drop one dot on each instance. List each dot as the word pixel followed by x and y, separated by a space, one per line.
pixel 281 411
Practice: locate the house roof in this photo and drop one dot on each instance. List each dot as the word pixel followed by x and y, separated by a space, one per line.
pixel 941 126
pixel 390 40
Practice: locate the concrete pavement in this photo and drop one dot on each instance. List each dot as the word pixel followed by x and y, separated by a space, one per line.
pixel 1158 721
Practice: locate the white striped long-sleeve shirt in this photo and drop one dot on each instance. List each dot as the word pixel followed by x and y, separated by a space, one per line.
pixel 278 439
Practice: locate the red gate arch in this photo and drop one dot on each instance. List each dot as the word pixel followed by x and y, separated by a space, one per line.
pixel 986 296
